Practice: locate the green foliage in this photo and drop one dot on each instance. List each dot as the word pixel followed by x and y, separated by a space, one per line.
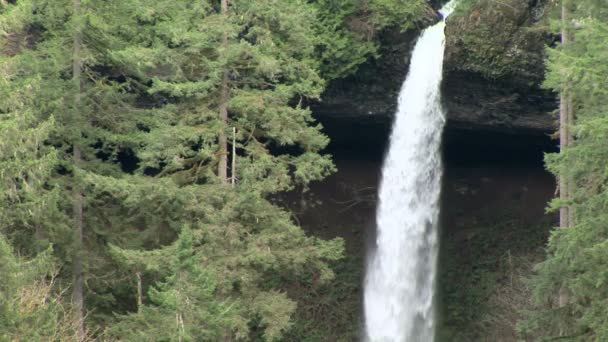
pixel 474 271
pixel 331 312
pixel 250 250
pixel 347 30
pixel 27 166
pixel 577 255
pixel 499 39
pixel 269 58
pixel 183 305
pixel 213 261
pixel 243 241
pixel 30 310
pixel 103 123
pixel 147 124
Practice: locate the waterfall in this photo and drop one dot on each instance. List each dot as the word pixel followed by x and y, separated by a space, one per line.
pixel 399 284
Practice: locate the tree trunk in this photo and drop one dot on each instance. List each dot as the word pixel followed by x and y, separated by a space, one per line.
pixel 77 212
pixel 77 269
pixel 222 170
pixel 140 295
pixel 564 211
pixel 569 182
pixel 233 168
pixel 565 120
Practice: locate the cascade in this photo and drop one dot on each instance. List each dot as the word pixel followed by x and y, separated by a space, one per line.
pixel 399 283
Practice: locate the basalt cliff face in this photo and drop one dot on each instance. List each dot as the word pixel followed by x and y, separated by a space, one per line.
pixel 494 67
pixel 492 77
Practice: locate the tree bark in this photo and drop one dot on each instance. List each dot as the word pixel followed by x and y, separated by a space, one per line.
pixel 77 200
pixel 77 268
pixel 222 170
pixel 233 168
pixel 565 120
pixel 569 182
pixel 564 211
pixel 140 295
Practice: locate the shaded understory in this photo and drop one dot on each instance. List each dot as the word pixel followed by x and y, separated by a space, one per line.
pixel 494 228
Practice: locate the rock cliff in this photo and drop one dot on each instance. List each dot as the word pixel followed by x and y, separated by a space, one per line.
pixel 494 66
pixel 492 75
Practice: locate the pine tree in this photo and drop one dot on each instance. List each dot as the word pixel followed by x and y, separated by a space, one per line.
pixel 87 121
pixel 211 67
pixel 30 309
pixel 261 69
pixel 27 163
pixel 576 257
pixel 347 30
pixel 127 130
pixel 183 306
pixel 77 201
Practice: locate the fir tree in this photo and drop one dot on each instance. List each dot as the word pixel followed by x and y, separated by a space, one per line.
pixel 347 31
pixel 30 309
pixel 254 57
pixel 182 306
pixel 86 120
pixel 577 255
pixel 125 123
pixel 211 67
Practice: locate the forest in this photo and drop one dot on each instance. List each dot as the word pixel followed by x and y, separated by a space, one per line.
pixel 175 170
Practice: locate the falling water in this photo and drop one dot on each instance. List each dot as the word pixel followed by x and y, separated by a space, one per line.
pixel 399 285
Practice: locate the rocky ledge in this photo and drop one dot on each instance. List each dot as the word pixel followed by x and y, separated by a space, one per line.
pixel 492 75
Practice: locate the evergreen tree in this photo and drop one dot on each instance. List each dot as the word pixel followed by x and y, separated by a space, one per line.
pixel 210 67
pixel 136 137
pixel 246 67
pixel 30 309
pixel 26 161
pixel 347 31
pixel 143 140
pixel 69 96
pixel 577 255
pixel 182 306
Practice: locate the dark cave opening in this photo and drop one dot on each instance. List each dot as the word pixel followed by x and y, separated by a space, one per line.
pixel 494 198
pixel 365 138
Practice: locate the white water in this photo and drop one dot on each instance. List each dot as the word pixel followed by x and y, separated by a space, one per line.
pixel 399 285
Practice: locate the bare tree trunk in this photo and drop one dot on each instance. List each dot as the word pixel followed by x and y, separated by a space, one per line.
pixel 564 211
pixel 569 182
pixel 77 269
pixel 140 300
pixel 233 168
pixel 222 170
pixel 77 211
pixel 565 120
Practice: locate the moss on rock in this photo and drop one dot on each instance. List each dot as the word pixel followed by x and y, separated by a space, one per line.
pixel 499 40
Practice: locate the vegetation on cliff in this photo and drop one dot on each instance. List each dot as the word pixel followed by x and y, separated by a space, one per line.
pixel 144 143
pixel 141 142
pixel 349 30
pixel 570 286
pixel 500 40
pixel 503 41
